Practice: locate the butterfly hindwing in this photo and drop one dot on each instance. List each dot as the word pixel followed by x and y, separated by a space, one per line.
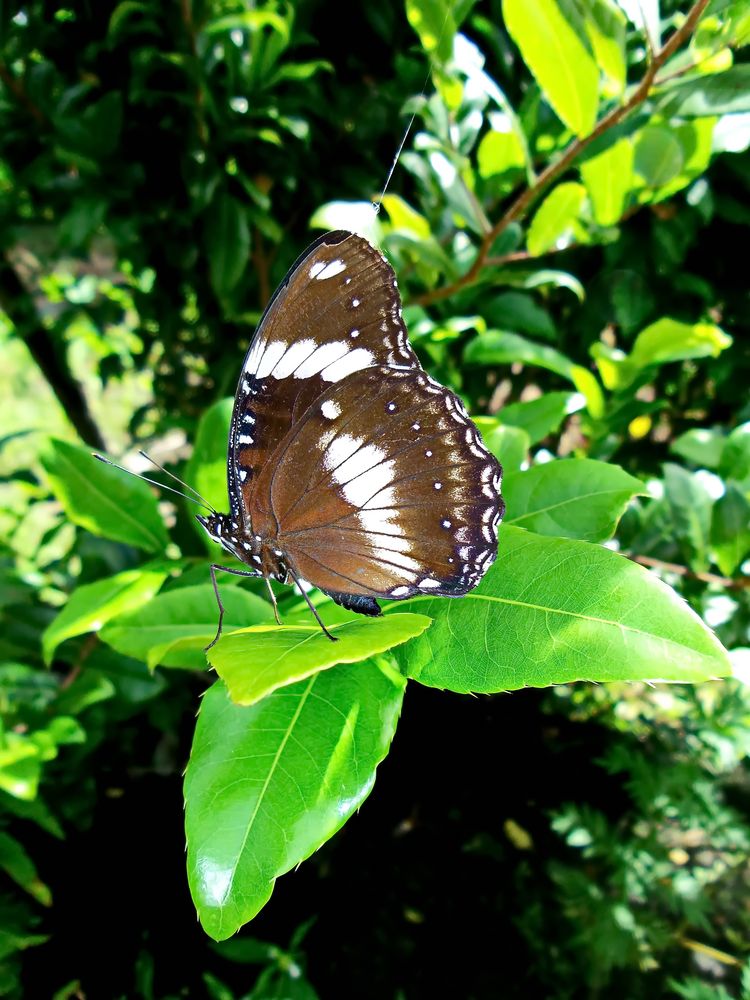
pixel 398 495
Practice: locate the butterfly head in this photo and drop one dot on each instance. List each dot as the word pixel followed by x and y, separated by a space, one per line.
pixel 226 531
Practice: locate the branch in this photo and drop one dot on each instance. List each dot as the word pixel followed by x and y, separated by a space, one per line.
pixel 736 583
pixel 17 89
pixel 554 170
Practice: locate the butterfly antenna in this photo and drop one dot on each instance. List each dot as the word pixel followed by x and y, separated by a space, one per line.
pixel 377 205
pixel 160 486
pixel 310 605
pixel 178 480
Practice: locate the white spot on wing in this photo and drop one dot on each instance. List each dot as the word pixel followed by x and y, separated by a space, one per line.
pixel 317 268
pixel 364 485
pixel 328 270
pixel 245 439
pixel 293 358
pixel 428 583
pixel 330 409
pixel 400 591
pixel 354 361
pixel 271 356
pixel 320 358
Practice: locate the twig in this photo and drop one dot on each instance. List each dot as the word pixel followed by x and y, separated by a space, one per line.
pixel 554 170
pixel 730 583
pixel 17 89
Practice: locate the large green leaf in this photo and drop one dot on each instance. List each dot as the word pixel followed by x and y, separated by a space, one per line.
pixel 267 784
pixel 102 499
pixel 93 604
pixel 572 498
pixel 556 219
pixel 185 612
pixel 255 661
pixel 551 611
pixel 555 47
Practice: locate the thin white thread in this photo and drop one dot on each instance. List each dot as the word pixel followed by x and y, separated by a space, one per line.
pixel 377 205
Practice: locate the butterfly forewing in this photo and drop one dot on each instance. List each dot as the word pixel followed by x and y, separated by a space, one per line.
pixel 337 313
pixel 398 495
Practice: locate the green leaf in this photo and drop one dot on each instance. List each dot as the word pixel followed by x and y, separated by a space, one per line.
pixel 609 179
pixel 696 142
pixel 730 529
pixel 267 784
pixel 206 471
pixel 510 445
pixel 434 24
pixel 554 46
pixel 658 156
pixel 16 863
pixel 20 766
pixel 700 446
pixel 520 313
pixel 102 499
pixel 735 456
pixel 705 96
pixel 185 612
pixel 671 340
pixel 93 604
pixel 605 27
pixel 255 661
pixel 405 218
pixel 499 347
pixel 500 153
pixel 690 507
pixel 227 238
pixel 543 416
pixel 552 611
pixel 554 223
pixel 571 498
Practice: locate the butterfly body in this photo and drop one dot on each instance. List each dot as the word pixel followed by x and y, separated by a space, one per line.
pixel 348 466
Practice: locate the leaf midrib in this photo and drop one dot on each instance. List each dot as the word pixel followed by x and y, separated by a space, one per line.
pixel 562 503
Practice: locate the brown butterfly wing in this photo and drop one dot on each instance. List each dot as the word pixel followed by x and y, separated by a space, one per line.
pixel 337 312
pixel 384 489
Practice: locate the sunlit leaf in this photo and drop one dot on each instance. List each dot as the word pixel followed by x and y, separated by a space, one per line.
pixel 185 612
pixel 267 784
pixel 572 498
pixel 554 222
pixel 554 46
pixel 93 604
pixel 255 661
pixel 551 611
pixel 102 499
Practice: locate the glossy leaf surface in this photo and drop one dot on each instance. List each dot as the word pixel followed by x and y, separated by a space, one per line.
pixel 255 661
pixel 551 611
pixel 267 784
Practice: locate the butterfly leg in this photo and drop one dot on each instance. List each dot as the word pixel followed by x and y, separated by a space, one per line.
pixel 224 569
pixel 311 606
pixel 273 601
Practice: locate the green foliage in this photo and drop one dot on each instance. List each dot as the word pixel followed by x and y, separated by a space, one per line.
pixel 565 268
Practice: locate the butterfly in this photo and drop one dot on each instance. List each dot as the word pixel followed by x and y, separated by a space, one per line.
pixel 348 466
